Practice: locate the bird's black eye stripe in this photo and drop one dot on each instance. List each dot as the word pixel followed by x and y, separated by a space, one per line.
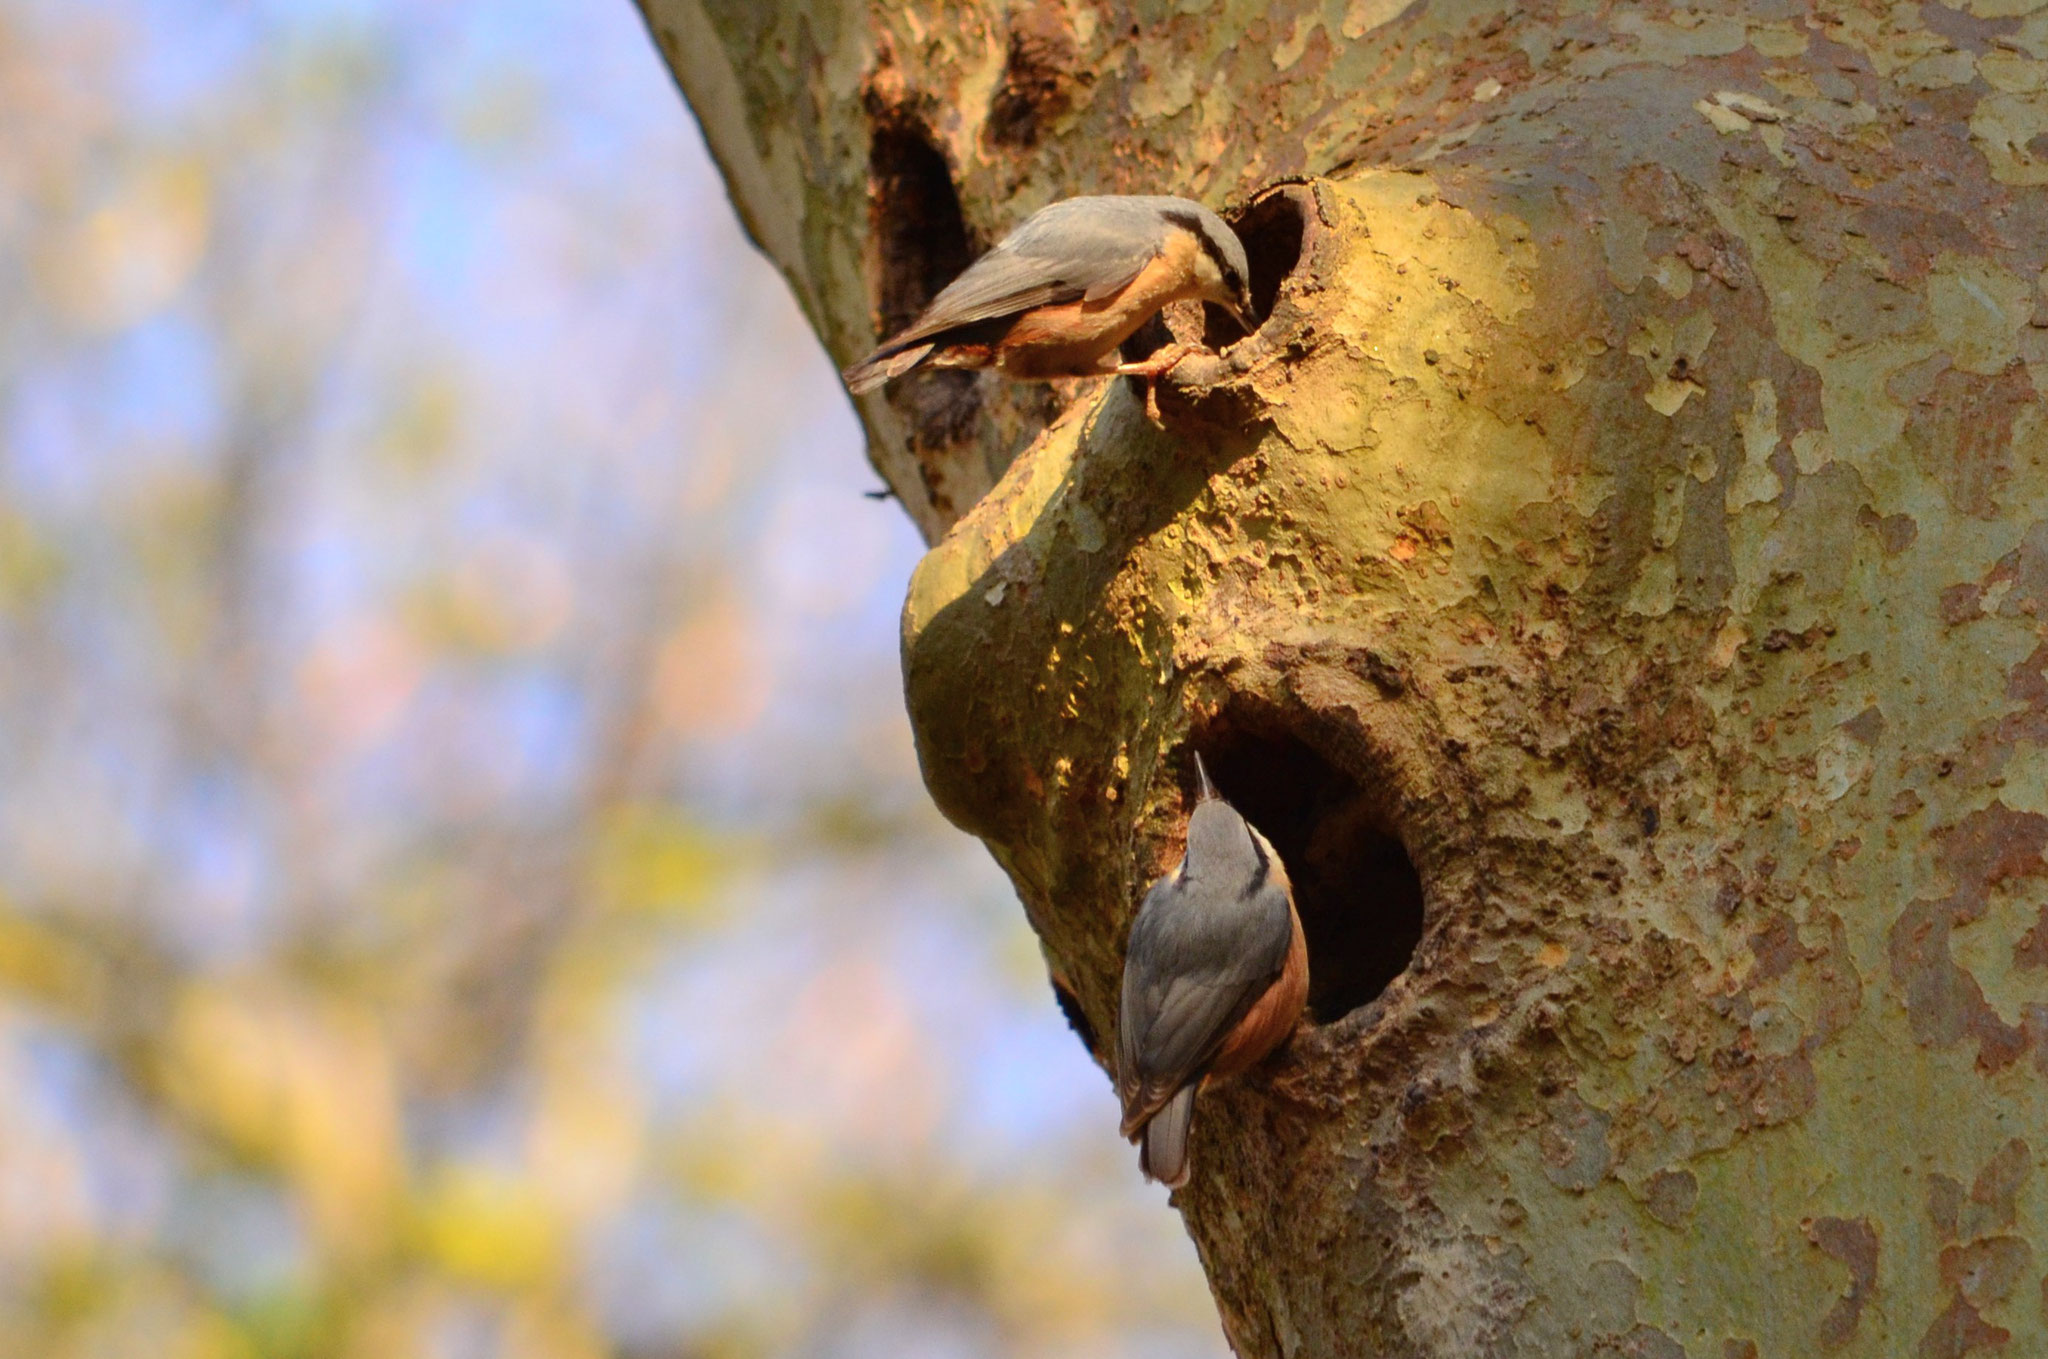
pixel 1210 247
pixel 1259 879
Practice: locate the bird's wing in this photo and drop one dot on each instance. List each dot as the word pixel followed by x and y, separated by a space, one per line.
pixel 1080 248
pixel 1190 974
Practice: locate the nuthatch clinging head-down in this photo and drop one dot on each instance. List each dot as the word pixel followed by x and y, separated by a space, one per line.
pixel 1061 292
pixel 1214 979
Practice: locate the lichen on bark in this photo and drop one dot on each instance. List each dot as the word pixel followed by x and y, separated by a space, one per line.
pixel 1618 565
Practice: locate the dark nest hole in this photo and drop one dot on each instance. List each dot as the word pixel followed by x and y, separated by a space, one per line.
pixel 922 238
pixel 915 215
pixel 1272 229
pixel 1357 891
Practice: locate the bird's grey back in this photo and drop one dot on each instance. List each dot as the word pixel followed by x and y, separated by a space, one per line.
pixel 1077 247
pixel 1198 959
pixel 1181 931
pixel 1100 226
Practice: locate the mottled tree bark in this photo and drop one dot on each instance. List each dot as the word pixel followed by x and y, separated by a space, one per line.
pixel 1620 561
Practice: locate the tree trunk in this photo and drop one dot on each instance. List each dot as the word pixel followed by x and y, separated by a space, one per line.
pixel 1613 577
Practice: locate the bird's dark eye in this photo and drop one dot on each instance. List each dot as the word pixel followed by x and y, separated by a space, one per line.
pixel 1231 280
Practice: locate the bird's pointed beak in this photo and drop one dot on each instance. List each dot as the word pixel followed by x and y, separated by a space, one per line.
pixel 1242 312
pixel 1202 773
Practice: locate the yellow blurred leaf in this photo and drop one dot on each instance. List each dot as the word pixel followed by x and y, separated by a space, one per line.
pixel 300 1082
pixel 424 426
pixel 649 859
pixel 395 1321
pixel 730 1154
pixel 206 1335
pixel 509 594
pixel 174 523
pixel 29 562
pixel 43 965
pixel 585 1144
pixel 132 254
pixel 126 1309
pixel 489 1229
pixel 541 1330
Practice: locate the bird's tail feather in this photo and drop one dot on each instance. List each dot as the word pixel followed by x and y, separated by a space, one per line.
pixel 878 367
pixel 1163 1150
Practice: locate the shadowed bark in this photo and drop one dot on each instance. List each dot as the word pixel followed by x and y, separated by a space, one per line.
pixel 1613 578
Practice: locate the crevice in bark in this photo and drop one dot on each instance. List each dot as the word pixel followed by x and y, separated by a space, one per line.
pixel 1358 893
pixel 1076 1017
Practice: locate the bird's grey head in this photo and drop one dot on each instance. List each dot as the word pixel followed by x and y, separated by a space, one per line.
pixel 1222 852
pixel 1223 247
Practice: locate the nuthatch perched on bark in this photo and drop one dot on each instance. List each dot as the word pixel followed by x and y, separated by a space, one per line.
pixel 1061 292
pixel 1214 979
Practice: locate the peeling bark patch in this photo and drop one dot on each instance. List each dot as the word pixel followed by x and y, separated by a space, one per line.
pixel 1574 1145
pixel 1960 1331
pixel 1867 726
pixel 1853 1241
pixel 1987 1270
pixel 1644 1342
pixel 1944 1205
pixel 1895 532
pixel 1943 1001
pixel 1613 1293
pixel 1982 1263
pixel 1777 949
pixel 2032 949
pixel 1993 1204
pixel 1460 1299
pixel 1963 436
pixel 1671 1196
pixel 2016 586
pixel 1770 1090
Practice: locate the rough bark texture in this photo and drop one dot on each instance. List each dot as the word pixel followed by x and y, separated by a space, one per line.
pixel 1621 559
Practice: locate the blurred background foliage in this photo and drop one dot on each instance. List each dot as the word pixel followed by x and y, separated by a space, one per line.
pixel 464 884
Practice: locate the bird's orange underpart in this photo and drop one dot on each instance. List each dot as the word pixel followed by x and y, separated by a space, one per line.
pixel 1079 339
pixel 1273 1016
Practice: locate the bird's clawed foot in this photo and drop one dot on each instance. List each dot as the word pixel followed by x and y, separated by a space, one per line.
pixel 1153 367
pixel 1158 363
